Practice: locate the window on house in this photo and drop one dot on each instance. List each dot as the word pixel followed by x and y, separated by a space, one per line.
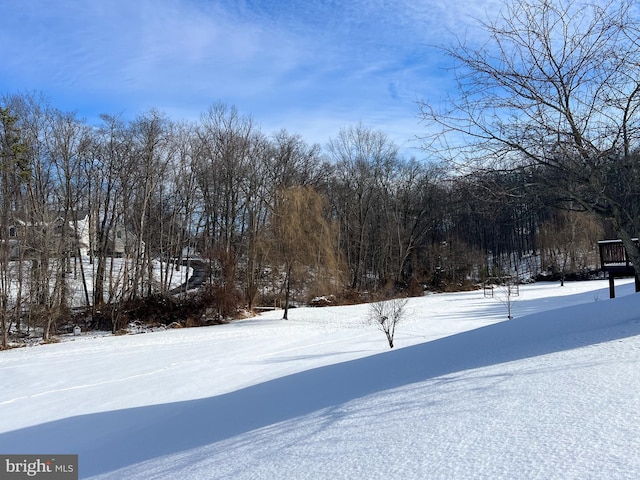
pixel 119 234
pixel 12 231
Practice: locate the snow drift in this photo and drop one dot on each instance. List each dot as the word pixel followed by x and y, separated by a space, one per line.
pixel 267 429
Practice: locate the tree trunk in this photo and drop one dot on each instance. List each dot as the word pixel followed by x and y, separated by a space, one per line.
pixel 633 252
pixel 287 293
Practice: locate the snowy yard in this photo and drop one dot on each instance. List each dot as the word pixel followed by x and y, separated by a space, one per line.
pixel 553 393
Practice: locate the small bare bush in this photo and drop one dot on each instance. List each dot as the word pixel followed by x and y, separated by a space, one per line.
pixel 386 315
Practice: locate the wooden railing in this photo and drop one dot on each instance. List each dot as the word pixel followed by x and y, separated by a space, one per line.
pixel 614 261
pixel 613 257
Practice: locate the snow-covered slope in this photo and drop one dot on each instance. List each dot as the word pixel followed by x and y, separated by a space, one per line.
pixel 553 393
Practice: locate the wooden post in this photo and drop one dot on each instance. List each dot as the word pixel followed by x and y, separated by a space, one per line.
pixel 612 288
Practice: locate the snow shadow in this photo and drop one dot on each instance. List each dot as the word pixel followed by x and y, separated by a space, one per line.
pixel 111 440
pixel 521 305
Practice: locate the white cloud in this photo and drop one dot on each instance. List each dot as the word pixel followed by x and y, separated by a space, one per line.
pixel 311 67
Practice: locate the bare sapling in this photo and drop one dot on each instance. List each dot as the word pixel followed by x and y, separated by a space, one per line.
pixel 386 315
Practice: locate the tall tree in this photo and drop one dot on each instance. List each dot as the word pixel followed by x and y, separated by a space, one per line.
pixel 34 206
pixel 554 87
pixel 178 221
pixel 363 159
pixel 285 161
pixel 14 171
pixel 108 173
pixel 67 143
pixel 225 158
pixel 150 137
pixel 303 240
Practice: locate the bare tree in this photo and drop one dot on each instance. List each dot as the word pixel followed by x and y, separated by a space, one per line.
pixel 112 150
pixel 411 210
pixel 67 144
pixel 505 289
pixel 38 220
pixel 224 165
pixel 150 161
pixel 177 207
pixel 554 89
pixel 364 159
pixel 294 162
pixel 257 206
pixel 283 162
pixel 386 315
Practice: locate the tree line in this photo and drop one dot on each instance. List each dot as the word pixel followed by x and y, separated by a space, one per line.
pixel 275 219
pixel 532 162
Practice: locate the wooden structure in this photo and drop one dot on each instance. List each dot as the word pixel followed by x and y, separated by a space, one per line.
pixel 614 261
pixel 510 284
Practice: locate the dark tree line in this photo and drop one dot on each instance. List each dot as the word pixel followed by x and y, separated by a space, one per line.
pixel 222 190
pixel 553 92
pixel 99 216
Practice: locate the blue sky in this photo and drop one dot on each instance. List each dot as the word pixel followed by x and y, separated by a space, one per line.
pixel 312 67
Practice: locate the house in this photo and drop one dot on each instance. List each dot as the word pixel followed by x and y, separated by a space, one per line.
pixel 36 235
pixel 28 238
pixel 120 240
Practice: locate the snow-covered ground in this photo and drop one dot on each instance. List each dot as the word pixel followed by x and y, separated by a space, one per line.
pixel 554 393
pixel 118 276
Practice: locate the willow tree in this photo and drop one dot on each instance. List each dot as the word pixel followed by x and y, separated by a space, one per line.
pixel 303 241
pixel 553 87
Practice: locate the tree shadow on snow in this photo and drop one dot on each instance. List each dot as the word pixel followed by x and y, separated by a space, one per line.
pixel 522 305
pixel 111 440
